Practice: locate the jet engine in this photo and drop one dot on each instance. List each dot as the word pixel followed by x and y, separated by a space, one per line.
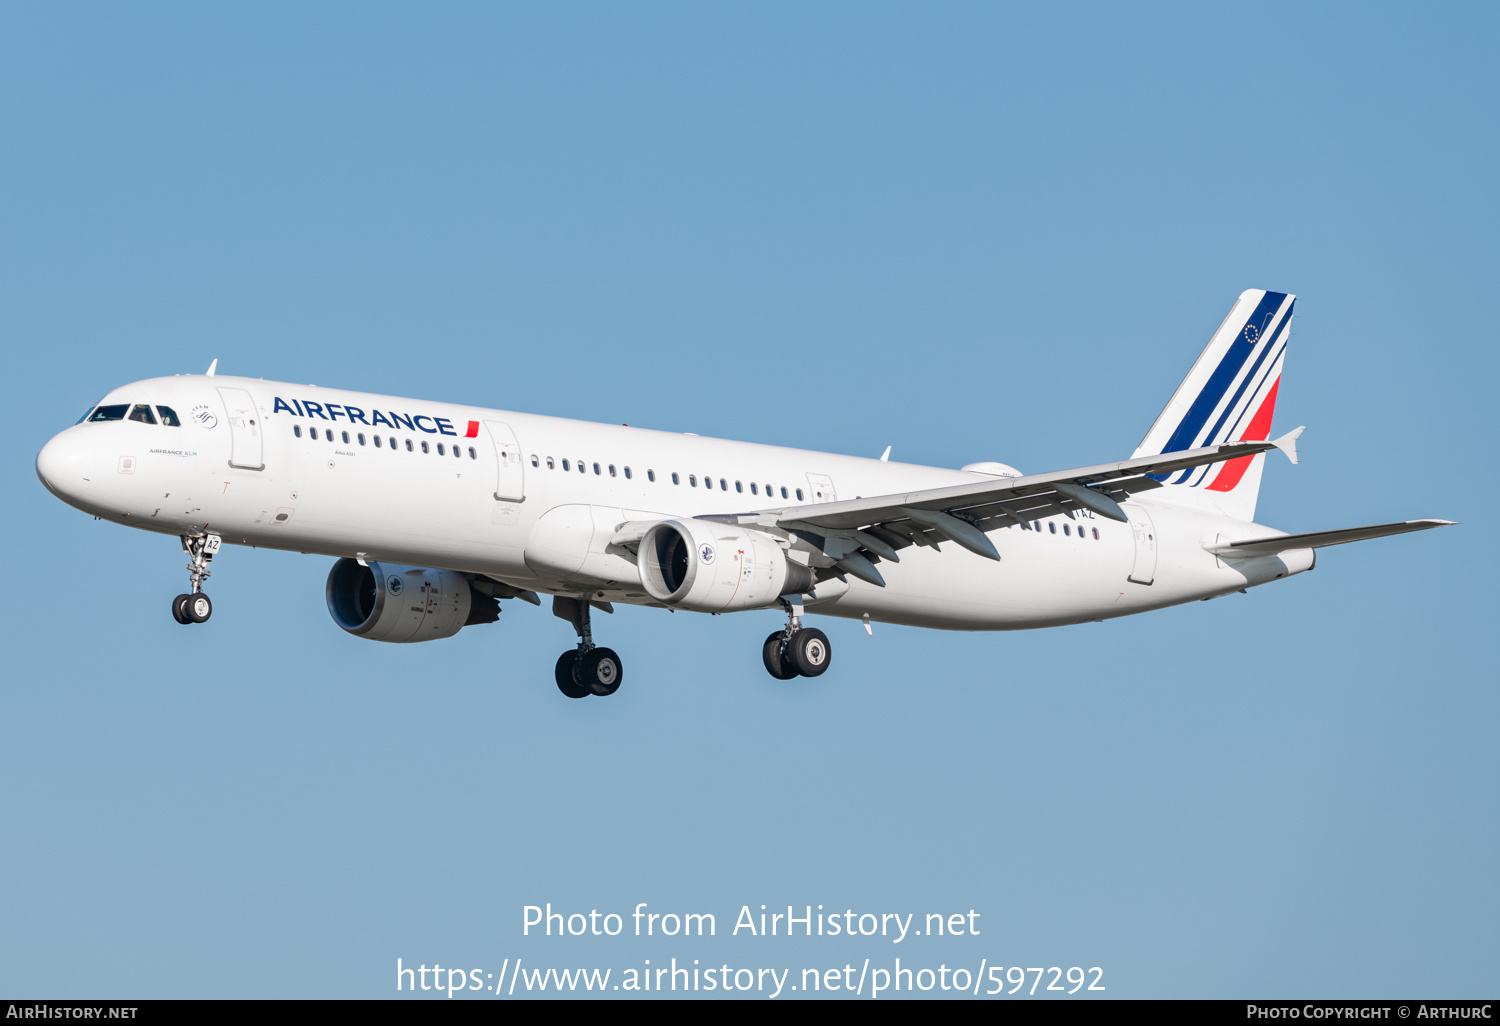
pixel 709 567
pixel 391 602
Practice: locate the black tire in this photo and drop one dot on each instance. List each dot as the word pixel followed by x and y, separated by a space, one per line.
pixel 600 671
pixel 776 663
pixel 810 652
pixel 179 609
pixel 566 663
pixel 198 608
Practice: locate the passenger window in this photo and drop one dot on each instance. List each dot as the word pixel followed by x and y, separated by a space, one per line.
pixel 1052 526
pixel 565 465
pixel 1036 525
pixel 297 430
pixel 783 491
pixel 472 454
pixel 627 473
pixel 110 413
pixel 550 465
pixel 408 445
pixel 596 470
pixel 534 461
pixel 376 440
pixel 675 478
pixel 753 489
pixel 346 436
pixel 799 494
pixel 651 476
pixel 769 491
pixel 441 450
pixel 611 470
pixel 168 416
pixel 739 487
pixel 581 469
pixel 693 480
pixel 424 446
pixel 723 485
pixel 1096 534
pixel 457 453
pixel 361 437
pixel 142 414
pixel 1067 530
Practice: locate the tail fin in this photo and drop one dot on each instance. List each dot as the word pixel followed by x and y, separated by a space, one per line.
pixel 1229 395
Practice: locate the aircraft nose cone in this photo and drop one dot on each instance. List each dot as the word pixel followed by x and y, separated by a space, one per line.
pixel 66 465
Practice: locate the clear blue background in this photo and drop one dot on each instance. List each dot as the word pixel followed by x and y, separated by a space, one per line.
pixel 970 232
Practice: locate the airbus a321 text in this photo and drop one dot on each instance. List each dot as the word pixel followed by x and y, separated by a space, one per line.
pixel 438 513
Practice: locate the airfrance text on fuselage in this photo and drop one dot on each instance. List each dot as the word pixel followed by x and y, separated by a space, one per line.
pixel 356 415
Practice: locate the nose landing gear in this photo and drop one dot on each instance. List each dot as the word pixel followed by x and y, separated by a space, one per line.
pixel 194 606
pixel 585 670
pixel 796 651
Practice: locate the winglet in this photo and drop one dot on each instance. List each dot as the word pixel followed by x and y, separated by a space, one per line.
pixel 1287 443
pixel 215 366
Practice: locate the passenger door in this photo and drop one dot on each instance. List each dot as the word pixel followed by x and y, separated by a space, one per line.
pixel 244 429
pixel 510 480
pixel 1144 532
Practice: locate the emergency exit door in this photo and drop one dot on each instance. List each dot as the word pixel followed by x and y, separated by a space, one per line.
pixel 822 488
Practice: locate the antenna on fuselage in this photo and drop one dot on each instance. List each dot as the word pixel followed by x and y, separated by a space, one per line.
pixel 212 367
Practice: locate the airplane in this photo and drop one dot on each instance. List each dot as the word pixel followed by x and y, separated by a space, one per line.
pixel 436 513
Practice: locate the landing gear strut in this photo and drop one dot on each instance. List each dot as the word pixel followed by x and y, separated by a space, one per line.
pixel 194 606
pixel 796 650
pixel 585 670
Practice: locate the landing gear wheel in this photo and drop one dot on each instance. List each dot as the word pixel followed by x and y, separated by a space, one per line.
pixel 599 670
pixel 179 609
pixel 776 662
pixel 809 651
pixel 198 608
pixel 565 682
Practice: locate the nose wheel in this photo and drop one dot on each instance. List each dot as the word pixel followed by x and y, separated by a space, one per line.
pixel 588 669
pixel 194 606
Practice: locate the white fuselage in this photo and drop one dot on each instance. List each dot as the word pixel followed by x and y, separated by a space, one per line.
pixel 533 501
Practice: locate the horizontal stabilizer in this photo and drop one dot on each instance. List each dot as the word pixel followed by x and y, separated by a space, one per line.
pixel 1321 539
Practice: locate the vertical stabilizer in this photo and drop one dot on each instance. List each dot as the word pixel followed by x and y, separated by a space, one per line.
pixel 1229 395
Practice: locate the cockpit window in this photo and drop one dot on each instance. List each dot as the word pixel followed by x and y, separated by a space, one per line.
pixel 85 416
pixel 142 414
pixel 168 416
pixel 110 413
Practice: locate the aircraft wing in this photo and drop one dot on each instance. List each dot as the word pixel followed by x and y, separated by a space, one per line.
pixel 1016 499
pixel 849 531
pixel 1321 539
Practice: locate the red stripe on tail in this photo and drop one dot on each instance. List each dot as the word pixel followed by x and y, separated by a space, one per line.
pixel 1258 431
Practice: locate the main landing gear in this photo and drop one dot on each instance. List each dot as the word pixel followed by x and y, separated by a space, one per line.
pixel 194 606
pixel 585 670
pixel 796 651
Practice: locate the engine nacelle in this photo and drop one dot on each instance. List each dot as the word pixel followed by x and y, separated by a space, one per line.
pixel 709 567
pixel 390 602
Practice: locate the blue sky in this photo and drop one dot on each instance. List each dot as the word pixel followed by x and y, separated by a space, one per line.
pixel 977 232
